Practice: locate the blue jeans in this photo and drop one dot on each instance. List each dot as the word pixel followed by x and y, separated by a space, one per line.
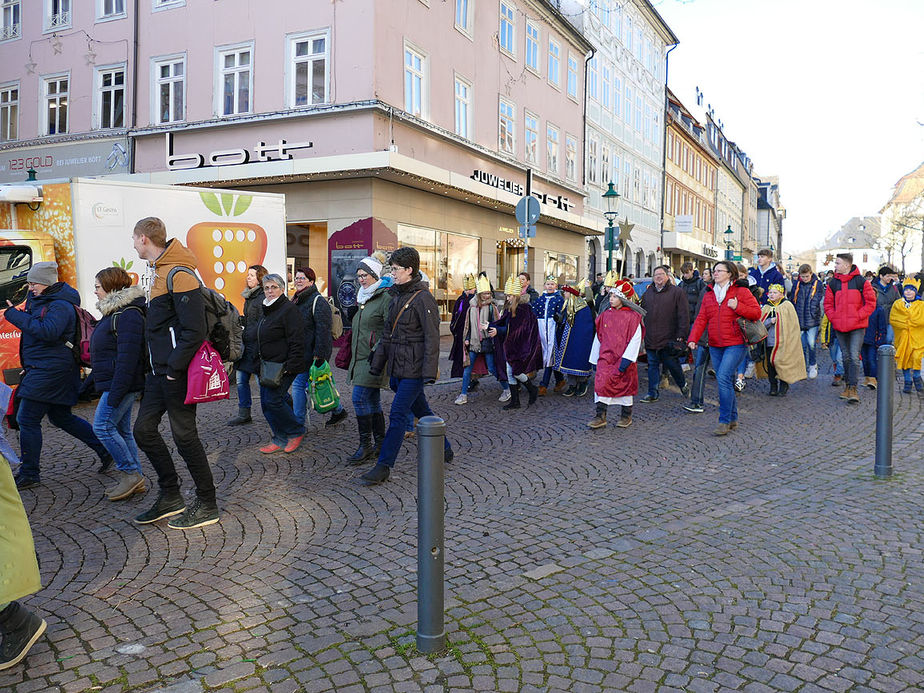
pixel 655 358
pixel 409 401
pixel 243 390
pixel 467 373
pixel 366 400
pixel 30 415
pixel 835 350
pixel 911 375
pixel 700 364
pixel 300 388
pixel 809 337
pixel 277 408
pixel 851 343
pixel 725 361
pixel 113 427
pixel 870 356
pixel 742 364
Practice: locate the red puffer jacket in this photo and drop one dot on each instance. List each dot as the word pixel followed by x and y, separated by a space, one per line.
pixel 720 320
pixel 847 306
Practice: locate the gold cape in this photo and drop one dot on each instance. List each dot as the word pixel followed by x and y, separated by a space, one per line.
pixel 786 355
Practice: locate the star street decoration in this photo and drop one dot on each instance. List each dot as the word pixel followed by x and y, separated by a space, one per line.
pixel 829 258
pixel 625 231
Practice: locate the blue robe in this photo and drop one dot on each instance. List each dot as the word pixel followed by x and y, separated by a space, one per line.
pixel 572 354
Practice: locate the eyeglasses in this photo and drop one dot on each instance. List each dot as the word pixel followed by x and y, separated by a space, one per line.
pixel 301 279
pixel 271 287
pixel 719 269
pixel 361 275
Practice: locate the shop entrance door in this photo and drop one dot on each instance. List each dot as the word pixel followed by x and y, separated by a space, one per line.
pixel 509 260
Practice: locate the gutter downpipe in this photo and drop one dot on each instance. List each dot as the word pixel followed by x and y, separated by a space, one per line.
pixel 134 110
pixel 663 147
pixel 587 59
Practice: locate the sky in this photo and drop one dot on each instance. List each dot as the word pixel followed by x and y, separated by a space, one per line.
pixel 829 96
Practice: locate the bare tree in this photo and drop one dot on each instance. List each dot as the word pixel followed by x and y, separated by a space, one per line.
pixel 904 229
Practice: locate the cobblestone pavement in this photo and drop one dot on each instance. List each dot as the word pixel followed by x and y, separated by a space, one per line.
pixel 654 558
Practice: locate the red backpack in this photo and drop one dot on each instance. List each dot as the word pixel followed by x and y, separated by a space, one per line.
pixel 80 342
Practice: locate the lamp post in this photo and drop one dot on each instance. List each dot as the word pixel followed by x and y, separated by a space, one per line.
pixel 729 243
pixel 610 197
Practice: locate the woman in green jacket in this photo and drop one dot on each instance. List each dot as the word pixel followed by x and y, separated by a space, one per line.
pixel 368 323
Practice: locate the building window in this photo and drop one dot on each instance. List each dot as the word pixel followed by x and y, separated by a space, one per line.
pixel 170 90
pixel 107 9
pixel 57 14
pixel 507 127
pixel 617 95
pixel 309 69
pixel 9 113
pixel 570 157
pixel 167 4
pixel 463 108
pixel 551 149
pixel 110 105
pixel 592 78
pixel 56 93
pixel 592 146
pixel 507 36
pixel 235 73
pixel 614 176
pixel 464 13
pixel 628 106
pixel 604 163
pixel 572 76
pixel 554 62
pixel 10 20
pixel 605 91
pixel 616 25
pixel 561 265
pixel 532 138
pixel 532 46
pixel 415 82
pixel 638 113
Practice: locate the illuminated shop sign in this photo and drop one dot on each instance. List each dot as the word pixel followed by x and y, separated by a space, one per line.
pixel 557 201
pixel 232 157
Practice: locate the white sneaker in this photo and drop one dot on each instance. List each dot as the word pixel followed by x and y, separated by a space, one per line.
pixel 813 372
pixel 505 396
pixel 739 384
pixel 462 399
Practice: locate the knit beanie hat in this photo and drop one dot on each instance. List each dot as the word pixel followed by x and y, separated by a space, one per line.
pixel 373 264
pixel 43 273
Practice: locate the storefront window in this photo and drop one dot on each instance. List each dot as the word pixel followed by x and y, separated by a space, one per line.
pixel 306 246
pixel 562 266
pixel 445 258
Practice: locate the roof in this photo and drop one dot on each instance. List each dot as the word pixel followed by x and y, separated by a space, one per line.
pixel 908 187
pixel 859 232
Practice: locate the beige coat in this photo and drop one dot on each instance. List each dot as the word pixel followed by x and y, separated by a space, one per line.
pixel 19 573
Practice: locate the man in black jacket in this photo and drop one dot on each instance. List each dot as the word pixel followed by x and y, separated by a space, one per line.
pixel 174 332
pixel 667 323
pixel 409 349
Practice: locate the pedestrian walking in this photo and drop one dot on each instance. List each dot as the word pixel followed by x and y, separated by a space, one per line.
pixel 722 305
pixel 119 363
pixel 50 381
pixel 745 368
pixel 249 363
pixel 907 319
pixel 667 324
pixel 806 297
pixel 548 307
pixel 174 332
pixel 783 362
pixel 701 360
pixel 478 344
pixel 849 301
pixel 409 353
pixel 575 340
pixel 319 341
pixel 518 344
pixel 879 330
pixel 457 323
pixel 693 286
pixel 766 273
pixel 368 324
pixel 619 335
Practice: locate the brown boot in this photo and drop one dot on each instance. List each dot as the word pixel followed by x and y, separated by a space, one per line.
pixel 852 396
pixel 561 385
pixel 599 421
pixel 542 390
pixel 845 392
pixel 721 430
pixel 871 383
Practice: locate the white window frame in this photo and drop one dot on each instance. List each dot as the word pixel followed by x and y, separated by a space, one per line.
pixel 159 5
pixel 605 80
pixel 156 81
pixel 43 111
pixel 531 135
pixel 531 52
pixel 552 148
pixel 617 95
pixel 572 77
pixel 12 30
pixel 12 117
pixel 593 147
pixel 465 10
pixel 554 75
pixel 604 162
pixel 424 76
pixel 221 71
pixel 292 60
pixel 592 85
pixel 507 111
pixel 466 104
pixel 571 156
pixel 56 21
pixel 99 90
pixel 507 19
pixel 102 16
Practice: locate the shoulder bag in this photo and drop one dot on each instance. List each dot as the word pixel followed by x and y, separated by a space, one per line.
pixel 271 372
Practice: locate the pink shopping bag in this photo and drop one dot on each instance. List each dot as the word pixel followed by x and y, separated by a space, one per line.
pixel 206 379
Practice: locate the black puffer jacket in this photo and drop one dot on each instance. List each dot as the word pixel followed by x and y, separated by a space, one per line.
pixel 410 348
pixel 281 335
pixel 693 288
pixel 253 311
pixel 317 317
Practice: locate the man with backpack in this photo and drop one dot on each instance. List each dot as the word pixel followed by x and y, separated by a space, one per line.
pixel 176 327
pixel 50 382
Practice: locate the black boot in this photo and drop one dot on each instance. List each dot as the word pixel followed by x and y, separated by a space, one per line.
pixel 514 402
pixel 378 431
pixel 784 388
pixel 20 628
pixel 166 505
pixel 378 474
pixel 533 392
pixel 243 417
pixel 366 447
pixel 774 385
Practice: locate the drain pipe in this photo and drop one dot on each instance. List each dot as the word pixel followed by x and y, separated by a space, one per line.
pixel 664 149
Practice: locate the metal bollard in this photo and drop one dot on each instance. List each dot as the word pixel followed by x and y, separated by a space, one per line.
pixel 885 380
pixel 431 633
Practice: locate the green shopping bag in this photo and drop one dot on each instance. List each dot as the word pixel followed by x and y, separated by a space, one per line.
pixel 324 395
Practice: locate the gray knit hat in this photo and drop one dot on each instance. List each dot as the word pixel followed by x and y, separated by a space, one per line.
pixel 43 273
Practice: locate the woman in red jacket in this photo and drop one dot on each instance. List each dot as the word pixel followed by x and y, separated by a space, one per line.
pixel 722 305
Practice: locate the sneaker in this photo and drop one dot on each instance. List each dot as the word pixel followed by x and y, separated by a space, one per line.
pixel 377 475
pixel 21 629
pixel 272 447
pixel 199 514
pixel 336 418
pixel 166 505
pixel 570 392
pixel 648 399
pixel 129 484
pixel 505 396
pixel 749 371
pixel 694 408
pixel 871 383
pixel 739 384
pixel 293 444
pixel 581 390
pixel 462 399
pixel 812 372
pixel 23 482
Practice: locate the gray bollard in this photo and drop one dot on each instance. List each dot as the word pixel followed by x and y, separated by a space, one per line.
pixel 431 633
pixel 885 379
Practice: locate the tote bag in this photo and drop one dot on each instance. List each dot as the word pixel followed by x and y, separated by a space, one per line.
pixel 206 378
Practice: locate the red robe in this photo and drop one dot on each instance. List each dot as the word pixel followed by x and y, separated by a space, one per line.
pixel 615 329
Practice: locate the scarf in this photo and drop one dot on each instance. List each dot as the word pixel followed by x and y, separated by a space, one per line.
pixel 721 291
pixel 268 302
pixel 476 316
pixel 365 293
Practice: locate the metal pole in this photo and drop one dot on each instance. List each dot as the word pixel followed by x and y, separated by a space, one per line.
pixel 885 380
pixel 609 244
pixel 431 633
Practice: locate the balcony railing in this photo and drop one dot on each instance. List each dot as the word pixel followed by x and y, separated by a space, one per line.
pixel 59 21
pixel 11 31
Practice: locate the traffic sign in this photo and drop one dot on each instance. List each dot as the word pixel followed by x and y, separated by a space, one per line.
pixel 528 231
pixel 527 211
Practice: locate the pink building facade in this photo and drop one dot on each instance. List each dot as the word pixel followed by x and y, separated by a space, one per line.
pixel 384 123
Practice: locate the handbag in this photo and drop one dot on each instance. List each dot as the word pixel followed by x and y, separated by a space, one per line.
pixel 753 331
pixel 206 377
pixel 344 355
pixel 271 373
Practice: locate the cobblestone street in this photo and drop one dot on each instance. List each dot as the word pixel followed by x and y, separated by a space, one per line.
pixel 653 558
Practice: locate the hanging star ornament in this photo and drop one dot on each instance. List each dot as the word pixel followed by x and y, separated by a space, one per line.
pixel 625 231
pixel 30 66
pixel 829 258
pixel 56 44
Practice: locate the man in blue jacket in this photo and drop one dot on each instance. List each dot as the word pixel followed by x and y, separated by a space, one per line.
pixel 51 375
pixel 766 273
pixel 807 295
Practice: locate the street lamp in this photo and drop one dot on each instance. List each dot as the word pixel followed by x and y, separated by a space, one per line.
pixel 729 243
pixel 610 197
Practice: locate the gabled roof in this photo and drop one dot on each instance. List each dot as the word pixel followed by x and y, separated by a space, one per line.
pixel 908 187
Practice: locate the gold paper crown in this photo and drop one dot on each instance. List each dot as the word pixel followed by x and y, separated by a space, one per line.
pixel 483 285
pixel 468 282
pixel 513 286
pixel 552 278
pixel 610 279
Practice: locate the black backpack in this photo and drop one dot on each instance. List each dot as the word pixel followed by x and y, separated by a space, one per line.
pixel 223 321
